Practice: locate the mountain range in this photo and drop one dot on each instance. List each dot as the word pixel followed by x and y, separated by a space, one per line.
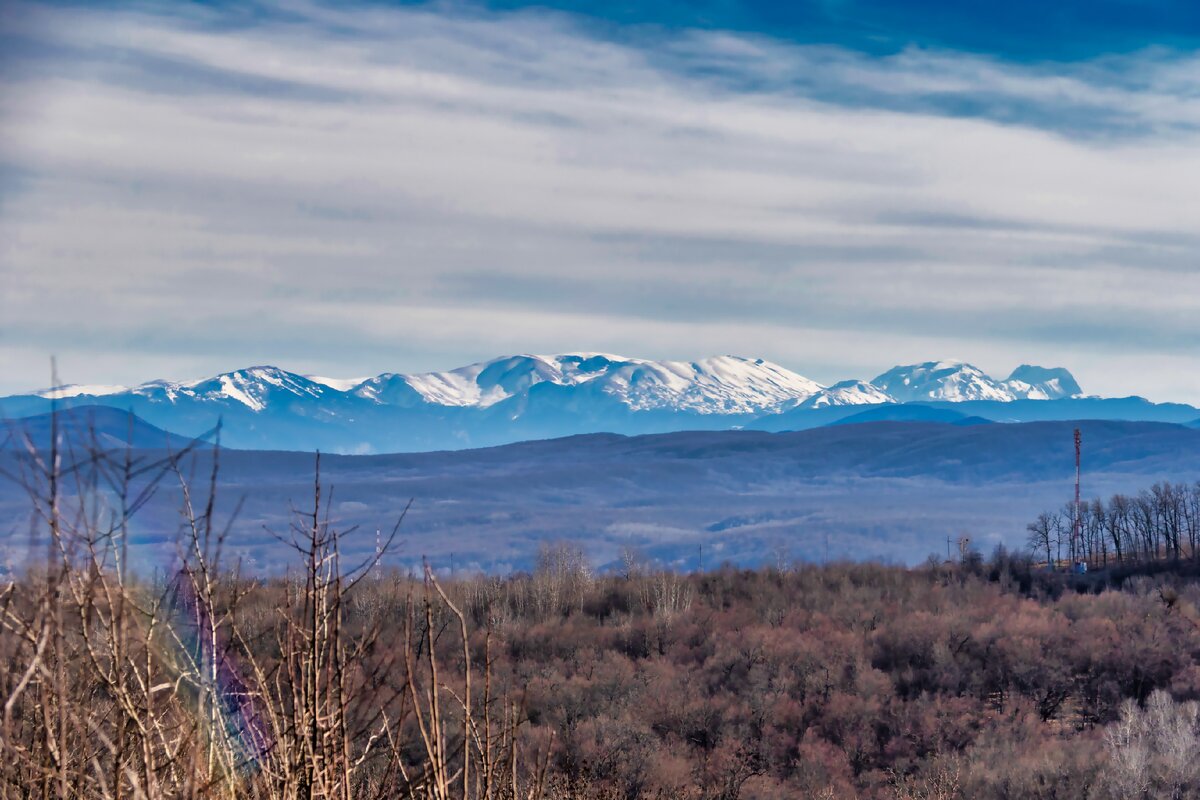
pixel 522 397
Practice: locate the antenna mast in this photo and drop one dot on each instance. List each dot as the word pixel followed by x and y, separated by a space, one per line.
pixel 1077 527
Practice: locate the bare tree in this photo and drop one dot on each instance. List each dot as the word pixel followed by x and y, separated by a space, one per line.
pixel 1041 535
pixel 1154 752
pixel 116 686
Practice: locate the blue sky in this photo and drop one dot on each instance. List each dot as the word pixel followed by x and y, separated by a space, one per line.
pixel 837 186
pixel 1022 30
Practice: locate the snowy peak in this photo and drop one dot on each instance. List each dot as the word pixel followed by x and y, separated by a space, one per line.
pixel 718 385
pixel 955 381
pixel 80 390
pixel 1042 383
pixel 487 382
pixel 848 393
pixel 951 381
pixel 255 388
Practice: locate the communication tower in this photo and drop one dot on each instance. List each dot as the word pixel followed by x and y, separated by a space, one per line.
pixel 1077 561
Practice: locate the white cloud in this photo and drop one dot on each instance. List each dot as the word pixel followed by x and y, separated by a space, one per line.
pixel 352 192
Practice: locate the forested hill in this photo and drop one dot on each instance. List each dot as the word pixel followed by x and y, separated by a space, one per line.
pixel 887 490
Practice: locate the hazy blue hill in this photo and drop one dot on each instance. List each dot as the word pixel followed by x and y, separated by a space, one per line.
pixel 909 412
pixel 886 489
pixel 27 405
pixel 347 423
pixel 1134 409
pixel 1111 408
pixel 87 426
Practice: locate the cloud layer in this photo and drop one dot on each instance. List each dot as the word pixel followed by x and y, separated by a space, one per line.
pixel 347 192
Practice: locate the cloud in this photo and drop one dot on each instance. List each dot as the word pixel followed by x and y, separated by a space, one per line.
pixel 353 191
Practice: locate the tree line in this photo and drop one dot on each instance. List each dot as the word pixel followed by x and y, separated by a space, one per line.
pixel 1162 521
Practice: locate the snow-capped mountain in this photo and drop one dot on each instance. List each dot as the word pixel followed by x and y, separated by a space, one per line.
pixel 848 393
pixel 718 385
pixel 955 381
pixel 254 387
pixel 257 388
pixel 69 390
pixel 952 381
pixel 530 397
pixel 1040 383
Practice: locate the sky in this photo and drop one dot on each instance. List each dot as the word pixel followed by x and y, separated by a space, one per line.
pixel 837 186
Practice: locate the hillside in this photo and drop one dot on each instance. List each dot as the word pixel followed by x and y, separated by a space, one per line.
pixel 886 490
pixel 83 427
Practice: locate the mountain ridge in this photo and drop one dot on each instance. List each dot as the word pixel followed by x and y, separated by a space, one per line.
pixel 527 396
pixel 731 384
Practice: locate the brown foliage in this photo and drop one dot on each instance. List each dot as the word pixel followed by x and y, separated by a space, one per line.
pixel 842 681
